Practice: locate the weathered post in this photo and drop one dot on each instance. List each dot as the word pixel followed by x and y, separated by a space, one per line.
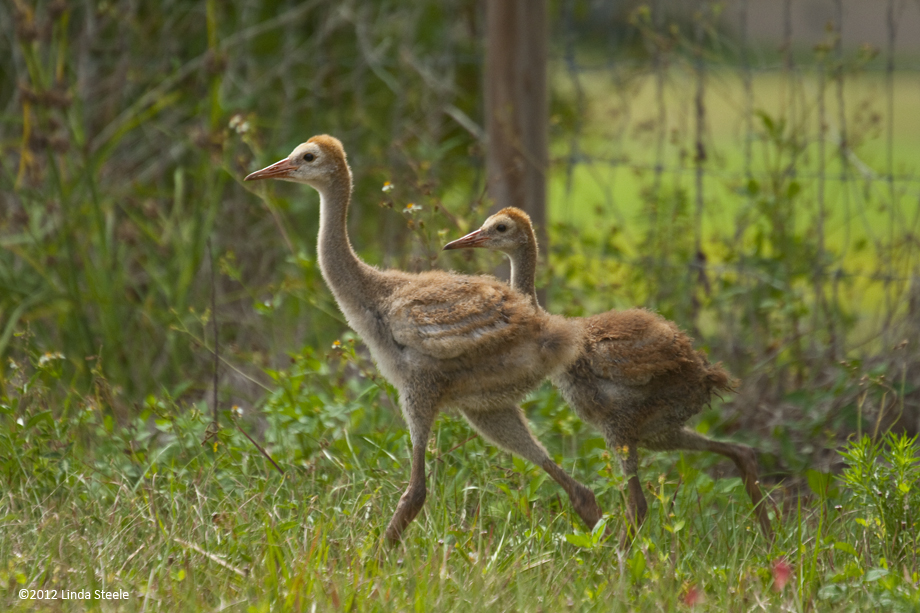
pixel 517 108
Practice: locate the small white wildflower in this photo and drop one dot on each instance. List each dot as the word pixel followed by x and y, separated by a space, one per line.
pixel 237 411
pixel 337 345
pixel 49 356
pixel 387 187
pixel 412 207
pixel 239 124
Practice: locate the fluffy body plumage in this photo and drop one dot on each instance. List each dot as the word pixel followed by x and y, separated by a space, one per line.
pixel 640 365
pixel 637 378
pixel 443 339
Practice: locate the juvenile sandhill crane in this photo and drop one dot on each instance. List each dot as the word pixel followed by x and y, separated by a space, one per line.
pixel 442 339
pixel 637 379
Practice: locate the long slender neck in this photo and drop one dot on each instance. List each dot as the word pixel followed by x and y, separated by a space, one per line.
pixel 344 272
pixel 524 270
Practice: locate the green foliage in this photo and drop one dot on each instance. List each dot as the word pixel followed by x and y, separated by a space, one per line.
pixel 315 404
pixel 142 506
pixel 884 477
pixel 129 127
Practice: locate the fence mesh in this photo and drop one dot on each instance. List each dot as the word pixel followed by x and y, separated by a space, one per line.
pixel 763 167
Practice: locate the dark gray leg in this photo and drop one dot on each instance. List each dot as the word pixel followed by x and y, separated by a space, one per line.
pixel 508 429
pixel 420 420
pixel 636 505
pixel 743 456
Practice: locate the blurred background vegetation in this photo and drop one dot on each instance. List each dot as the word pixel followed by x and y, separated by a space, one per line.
pixel 759 189
pixel 747 168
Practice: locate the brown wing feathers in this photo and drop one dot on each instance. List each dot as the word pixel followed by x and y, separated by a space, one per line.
pixel 636 346
pixel 446 321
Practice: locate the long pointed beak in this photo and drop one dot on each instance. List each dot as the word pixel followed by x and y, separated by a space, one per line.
pixel 278 170
pixel 474 239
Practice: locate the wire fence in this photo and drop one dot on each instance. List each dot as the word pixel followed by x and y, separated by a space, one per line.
pixel 784 175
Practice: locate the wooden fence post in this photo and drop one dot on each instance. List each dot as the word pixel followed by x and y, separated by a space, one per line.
pixel 517 108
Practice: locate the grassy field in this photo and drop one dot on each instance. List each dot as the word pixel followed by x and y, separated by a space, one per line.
pixel 145 508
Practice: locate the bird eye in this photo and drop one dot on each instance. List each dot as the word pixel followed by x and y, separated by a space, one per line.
pixel 308 157
pixel 501 227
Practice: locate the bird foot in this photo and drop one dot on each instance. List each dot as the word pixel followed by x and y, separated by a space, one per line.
pixel 409 506
pixel 586 506
pixel 747 464
pixel 636 510
pixel 631 528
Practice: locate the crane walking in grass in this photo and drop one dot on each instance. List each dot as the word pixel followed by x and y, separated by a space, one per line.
pixel 637 377
pixel 442 339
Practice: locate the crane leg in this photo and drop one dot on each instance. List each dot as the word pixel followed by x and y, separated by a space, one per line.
pixel 420 419
pixel 636 505
pixel 508 429
pixel 744 457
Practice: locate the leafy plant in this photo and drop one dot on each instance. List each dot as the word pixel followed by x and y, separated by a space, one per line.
pixel 883 477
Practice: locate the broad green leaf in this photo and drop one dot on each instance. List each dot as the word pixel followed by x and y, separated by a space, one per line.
pixel 579 540
pixel 845 547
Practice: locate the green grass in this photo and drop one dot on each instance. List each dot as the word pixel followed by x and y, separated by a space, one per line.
pixel 144 507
